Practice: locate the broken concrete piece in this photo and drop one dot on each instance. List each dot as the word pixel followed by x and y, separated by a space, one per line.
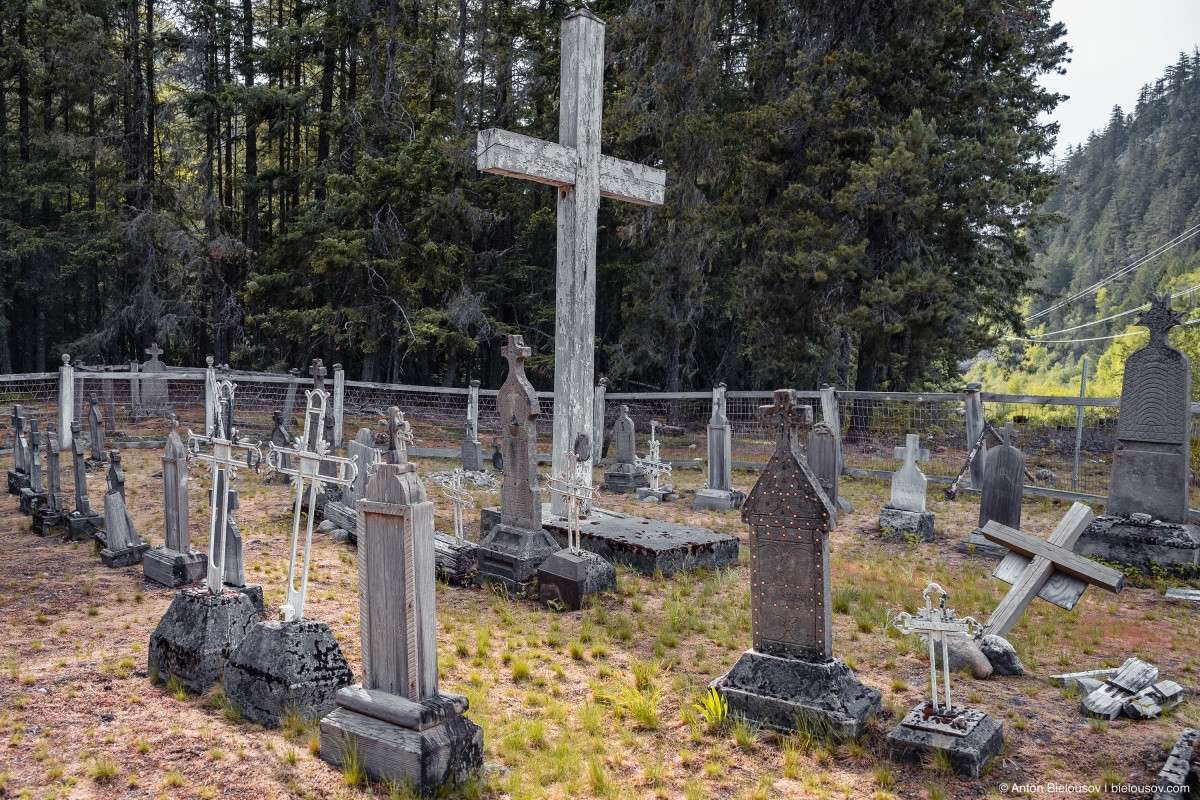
pixel 1109 700
pixel 1068 679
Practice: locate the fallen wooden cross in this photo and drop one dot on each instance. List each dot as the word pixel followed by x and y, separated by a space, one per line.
pixel 1046 569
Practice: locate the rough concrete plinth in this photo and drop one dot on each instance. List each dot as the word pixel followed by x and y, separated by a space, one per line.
pixel 472 456
pixel 17 481
pixel 784 693
pixel 510 557
pixel 647 545
pixel 622 478
pixel 251 590
pixel 173 568
pixel 45 522
pixel 718 500
pixel 967 754
pixel 31 500
pixel 78 527
pixel 569 578
pixel 197 634
pixel 1178 778
pixel 975 544
pixel 125 557
pixel 901 522
pixel 428 744
pixel 661 494
pixel 285 665
pixel 1147 546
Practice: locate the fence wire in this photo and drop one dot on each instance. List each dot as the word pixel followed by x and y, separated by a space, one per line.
pixel 872 425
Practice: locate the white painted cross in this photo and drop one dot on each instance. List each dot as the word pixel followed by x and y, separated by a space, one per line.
pixel 307 457
pixel 653 465
pixel 938 624
pixel 575 489
pixel 583 175
pixel 452 489
pixel 224 465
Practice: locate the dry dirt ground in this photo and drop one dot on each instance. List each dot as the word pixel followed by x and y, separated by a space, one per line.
pixel 598 703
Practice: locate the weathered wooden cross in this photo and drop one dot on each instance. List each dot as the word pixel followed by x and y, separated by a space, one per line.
pixel 452 489
pixel 583 175
pixel 575 488
pixel 938 625
pixel 400 436
pixel 307 457
pixel 653 465
pixel 223 464
pixel 1046 569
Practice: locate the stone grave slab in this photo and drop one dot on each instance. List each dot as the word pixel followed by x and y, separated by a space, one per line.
pixel 647 545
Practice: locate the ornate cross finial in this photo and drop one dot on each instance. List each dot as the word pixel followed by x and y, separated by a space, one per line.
pixel 787 415
pixel 515 351
pixel 317 370
pixel 1160 317
pixel 154 351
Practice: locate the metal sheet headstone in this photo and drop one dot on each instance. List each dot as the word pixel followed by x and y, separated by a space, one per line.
pixel 1003 483
pixel 823 458
pixel 909 483
pixel 472 448
pixel 176 522
pixel 96 427
pixel 583 175
pixel 1151 463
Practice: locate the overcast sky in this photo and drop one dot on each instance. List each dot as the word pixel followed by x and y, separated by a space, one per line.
pixel 1118 45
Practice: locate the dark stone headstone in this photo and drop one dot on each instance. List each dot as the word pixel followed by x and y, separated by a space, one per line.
pixel 175 563
pixel 153 396
pixel 624 475
pixel 567 578
pixel 82 523
pixel 512 551
pixel 719 494
pixel 123 546
pixel 1000 499
pixel 35 494
pixel 967 754
pixel 18 476
pixel 46 515
pixel 790 675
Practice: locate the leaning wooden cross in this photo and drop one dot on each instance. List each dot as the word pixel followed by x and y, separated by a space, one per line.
pixel 582 175
pixel 1046 569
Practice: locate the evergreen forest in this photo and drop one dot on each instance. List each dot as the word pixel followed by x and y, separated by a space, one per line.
pixel 856 190
pixel 1128 225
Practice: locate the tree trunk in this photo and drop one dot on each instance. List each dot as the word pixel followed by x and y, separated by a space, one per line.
pixel 250 193
pixel 865 380
pixel 328 67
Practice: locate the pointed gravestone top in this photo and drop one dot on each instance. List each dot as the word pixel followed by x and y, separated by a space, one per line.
pixel 719 417
pixel 517 403
pixel 624 439
pixel 908 482
pixel 789 518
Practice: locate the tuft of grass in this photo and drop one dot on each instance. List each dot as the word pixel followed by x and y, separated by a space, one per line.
pixel 173 779
pixel 520 670
pixel 175 687
pixel 714 708
pixel 354 768
pixel 103 770
pixel 745 733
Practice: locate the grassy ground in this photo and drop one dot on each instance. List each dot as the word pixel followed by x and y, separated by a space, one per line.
pixel 598 703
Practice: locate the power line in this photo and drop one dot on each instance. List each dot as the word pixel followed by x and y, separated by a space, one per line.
pixel 1142 307
pixel 1178 240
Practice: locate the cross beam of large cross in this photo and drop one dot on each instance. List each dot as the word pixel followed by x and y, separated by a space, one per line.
pixel 1047 569
pixel 583 175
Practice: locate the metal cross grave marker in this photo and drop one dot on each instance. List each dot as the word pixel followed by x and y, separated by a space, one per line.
pixel 1047 569
pixel 223 465
pixel 452 489
pixel 307 457
pixel 583 175
pixel 938 624
pixel 576 488
pixel 653 465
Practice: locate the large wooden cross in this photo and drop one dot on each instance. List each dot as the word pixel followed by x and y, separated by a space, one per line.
pixel 583 175
pixel 1046 569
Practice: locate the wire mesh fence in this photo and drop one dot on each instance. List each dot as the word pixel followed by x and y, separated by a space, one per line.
pixel 1068 442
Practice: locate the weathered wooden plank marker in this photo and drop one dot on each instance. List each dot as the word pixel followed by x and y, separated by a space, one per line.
pixel 1047 569
pixel 583 175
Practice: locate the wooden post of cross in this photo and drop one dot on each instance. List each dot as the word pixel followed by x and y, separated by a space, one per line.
pixel 1047 569
pixel 307 457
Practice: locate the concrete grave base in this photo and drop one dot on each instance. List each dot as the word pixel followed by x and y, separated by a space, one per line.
pixel 472 456
pixel 197 634
pixel 428 744
pixel 899 522
pixel 661 494
pixel 623 478
pixel 17 481
pixel 718 500
pixel 784 693
pixel 78 527
pixel 253 591
pixel 1147 546
pixel 285 665
pixel 967 754
pixel 510 556
pixel 977 545
pixel 30 500
pixel 569 578
pixel 125 557
pixel 1179 777
pixel 647 545
pixel 45 522
pixel 173 568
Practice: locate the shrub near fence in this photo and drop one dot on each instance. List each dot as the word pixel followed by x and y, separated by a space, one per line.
pixel 872 423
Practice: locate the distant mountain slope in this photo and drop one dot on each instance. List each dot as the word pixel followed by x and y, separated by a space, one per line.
pixel 1128 191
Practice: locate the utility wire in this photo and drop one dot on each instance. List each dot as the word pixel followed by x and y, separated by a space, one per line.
pixel 1178 240
pixel 1142 307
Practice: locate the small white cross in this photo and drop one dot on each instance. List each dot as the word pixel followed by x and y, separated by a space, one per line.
pixel 452 488
pixel 653 465
pixel 938 624
pixel 576 489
